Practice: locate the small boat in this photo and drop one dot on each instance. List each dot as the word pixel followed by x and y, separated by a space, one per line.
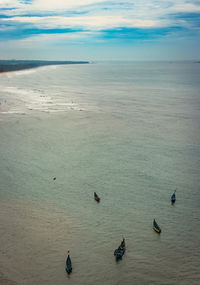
pixel 96 197
pixel 173 197
pixel 119 252
pixel 156 227
pixel 68 267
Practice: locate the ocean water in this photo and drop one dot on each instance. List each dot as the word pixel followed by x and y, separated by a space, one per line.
pixel 129 131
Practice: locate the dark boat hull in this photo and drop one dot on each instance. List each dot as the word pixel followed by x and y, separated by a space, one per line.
pixel 119 254
pixel 173 201
pixel 157 230
pixel 97 199
pixel 156 227
pixel 173 197
pixel 68 270
pixel 68 266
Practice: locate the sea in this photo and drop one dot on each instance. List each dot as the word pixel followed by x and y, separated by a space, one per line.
pixel 129 131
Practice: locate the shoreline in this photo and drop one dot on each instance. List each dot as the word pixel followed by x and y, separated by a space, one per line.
pixel 17 65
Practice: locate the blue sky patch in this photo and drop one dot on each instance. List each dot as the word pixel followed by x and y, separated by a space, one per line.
pixel 108 22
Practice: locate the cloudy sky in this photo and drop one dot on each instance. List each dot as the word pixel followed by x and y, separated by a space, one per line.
pixel 100 30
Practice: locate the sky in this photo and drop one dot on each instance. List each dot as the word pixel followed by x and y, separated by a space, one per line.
pixel 100 30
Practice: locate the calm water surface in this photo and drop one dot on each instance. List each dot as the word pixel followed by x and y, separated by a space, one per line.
pixel 128 131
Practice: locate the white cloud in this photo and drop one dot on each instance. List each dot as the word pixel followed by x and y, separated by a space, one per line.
pixel 86 22
pixel 62 4
pixel 89 19
pixel 45 38
pixel 185 7
pixel 123 13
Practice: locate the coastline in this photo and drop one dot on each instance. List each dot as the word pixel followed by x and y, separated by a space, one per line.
pixel 17 65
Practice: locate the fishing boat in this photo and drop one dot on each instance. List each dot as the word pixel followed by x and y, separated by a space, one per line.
pixel 96 197
pixel 68 266
pixel 119 252
pixel 173 197
pixel 156 227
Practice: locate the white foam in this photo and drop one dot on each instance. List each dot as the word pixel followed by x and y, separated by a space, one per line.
pixel 24 100
pixel 11 74
pixel 13 112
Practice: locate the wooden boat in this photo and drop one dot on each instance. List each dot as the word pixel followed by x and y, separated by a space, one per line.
pixel 96 197
pixel 156 227
pixel 173 197
pixel 68 266
pixel 119 252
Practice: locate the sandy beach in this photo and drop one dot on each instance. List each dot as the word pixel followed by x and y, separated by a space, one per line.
pixel 16 65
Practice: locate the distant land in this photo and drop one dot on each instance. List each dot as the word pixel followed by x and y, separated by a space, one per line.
pixel 14 65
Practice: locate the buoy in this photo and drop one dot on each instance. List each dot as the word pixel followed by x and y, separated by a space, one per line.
pixel 54 178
